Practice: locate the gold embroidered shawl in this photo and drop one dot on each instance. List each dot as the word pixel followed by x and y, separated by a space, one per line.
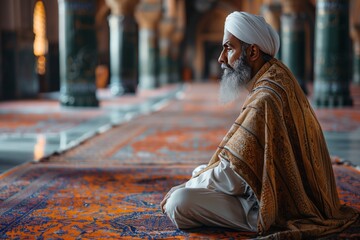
pixel 277 145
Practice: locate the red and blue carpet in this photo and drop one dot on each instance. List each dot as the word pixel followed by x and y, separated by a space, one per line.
pixel 53 201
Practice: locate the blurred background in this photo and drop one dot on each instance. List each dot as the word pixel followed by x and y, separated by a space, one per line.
pixel 75 47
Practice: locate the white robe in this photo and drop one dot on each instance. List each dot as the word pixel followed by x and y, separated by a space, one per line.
pixel 217 197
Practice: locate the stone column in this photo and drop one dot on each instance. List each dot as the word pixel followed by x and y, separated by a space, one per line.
pixel 148 14
pixel 355 33
pixel 166 28
pixel 17 56
pixel 177 37
pixel 332 71
pixel 272 12
pixel 1 72
pixel 52 31
pixel 123 47
pixel 293 39
pixel 78 55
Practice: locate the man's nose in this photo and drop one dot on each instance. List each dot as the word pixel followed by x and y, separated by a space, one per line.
pixel 221 58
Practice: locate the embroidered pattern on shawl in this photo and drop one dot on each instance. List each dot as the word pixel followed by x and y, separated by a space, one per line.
pixel 277 145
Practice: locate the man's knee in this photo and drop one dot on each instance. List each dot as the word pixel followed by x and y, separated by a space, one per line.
pixel 179 201
pixel 178 208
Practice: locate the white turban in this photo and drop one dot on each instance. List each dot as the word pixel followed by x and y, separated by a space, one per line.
pixel 253 29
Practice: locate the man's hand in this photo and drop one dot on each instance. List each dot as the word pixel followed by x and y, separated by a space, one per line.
pixel 163 202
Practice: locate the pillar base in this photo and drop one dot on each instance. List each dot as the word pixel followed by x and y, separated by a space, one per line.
pixel 333 101
pixel 148 82
pixel 78 101
pixel 125 87
pixel 333 95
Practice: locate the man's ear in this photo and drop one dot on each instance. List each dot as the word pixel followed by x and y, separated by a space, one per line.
pixel 255 52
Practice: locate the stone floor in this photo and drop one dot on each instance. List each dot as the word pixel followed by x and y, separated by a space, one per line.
pixel 32 129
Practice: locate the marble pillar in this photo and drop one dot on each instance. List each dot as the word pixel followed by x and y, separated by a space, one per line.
pixel 293 39
pixel 355 32
pixel 123 47
pixel 17 56
pixel 78 54
pixel 148 14
pixel 166 28
pixel 332 60
pixel 177 37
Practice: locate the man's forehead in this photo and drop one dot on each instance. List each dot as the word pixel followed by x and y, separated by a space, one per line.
pixel 228 37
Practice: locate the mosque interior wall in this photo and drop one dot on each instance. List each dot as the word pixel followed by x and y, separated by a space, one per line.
pixel 199 48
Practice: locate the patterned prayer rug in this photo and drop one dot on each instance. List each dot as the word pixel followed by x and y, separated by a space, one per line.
pixel 46 123
pixel 161 140
pixel 53 201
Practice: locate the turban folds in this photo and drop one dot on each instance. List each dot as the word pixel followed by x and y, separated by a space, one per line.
pixel 253 29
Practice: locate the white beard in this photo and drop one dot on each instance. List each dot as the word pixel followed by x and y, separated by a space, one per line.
pixel 233 80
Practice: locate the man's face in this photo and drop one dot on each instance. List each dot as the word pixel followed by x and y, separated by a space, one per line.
pixel 231 49
pixel 237 72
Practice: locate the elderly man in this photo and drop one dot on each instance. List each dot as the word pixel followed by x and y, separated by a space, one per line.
pixel 272 171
